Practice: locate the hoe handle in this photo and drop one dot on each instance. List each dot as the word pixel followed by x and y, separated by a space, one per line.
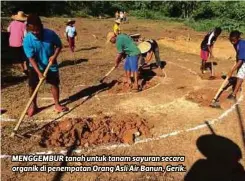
pixel 108 73
pixel 212 68
pixel 31 99
pixel 222 86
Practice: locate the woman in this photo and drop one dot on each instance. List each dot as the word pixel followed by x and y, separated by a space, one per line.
pixel 17 29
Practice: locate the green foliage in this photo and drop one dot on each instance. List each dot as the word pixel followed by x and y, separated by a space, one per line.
pixel 206 25
pixel 202 16
pixel 227 10
pixel 153 15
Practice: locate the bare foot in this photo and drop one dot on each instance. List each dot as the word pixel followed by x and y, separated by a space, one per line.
pixel 60 108
pixel 32 110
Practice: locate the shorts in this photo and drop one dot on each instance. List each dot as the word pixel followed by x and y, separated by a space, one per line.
pixel 18 54
pixel 131 63
pixel 204 55
pixel 241 72
pixel 52 78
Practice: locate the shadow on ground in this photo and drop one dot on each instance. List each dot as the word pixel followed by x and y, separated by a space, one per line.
pixel 58 175
pixel 86 94
pixel 71 62
pixel 208 65
pixel 221 163
pixel 88 48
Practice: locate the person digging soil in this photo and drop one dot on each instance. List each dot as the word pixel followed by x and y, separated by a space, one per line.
pixel 147 48
pixel 126 46
pixel 42 46
pixel 239 45
pixel 207 47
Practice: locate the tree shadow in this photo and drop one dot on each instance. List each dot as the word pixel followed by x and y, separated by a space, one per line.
pixel 71 62
pixel 221 163
pixel 88 48
pixel 58 176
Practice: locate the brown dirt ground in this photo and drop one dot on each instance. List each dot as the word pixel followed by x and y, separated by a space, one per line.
pixel 88 132
pixel 180 101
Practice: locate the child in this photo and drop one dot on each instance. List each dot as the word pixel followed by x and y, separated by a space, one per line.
pixel 17 29
pixel 207 46
pixel 116 27
pixel 121 15
pixel 125 18
pixel 117 15
pixel 239 45
pixel 71 34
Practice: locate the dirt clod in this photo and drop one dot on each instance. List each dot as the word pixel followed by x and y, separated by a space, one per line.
pixel 204 97
pixel 87 132
pixel 122 87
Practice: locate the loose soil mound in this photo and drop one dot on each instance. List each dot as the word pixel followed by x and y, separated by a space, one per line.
pixel 205 96
pixel 147 79
pixel 122 87
pixel 87 132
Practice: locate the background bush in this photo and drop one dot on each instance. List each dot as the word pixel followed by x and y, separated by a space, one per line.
pixel 202 16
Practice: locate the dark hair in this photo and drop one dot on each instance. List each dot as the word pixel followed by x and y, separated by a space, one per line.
pixel 34 19
pixel 218 30
pixel 236 34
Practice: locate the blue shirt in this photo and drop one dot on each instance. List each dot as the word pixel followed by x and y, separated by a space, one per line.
pixel 42 49
pixel 240 49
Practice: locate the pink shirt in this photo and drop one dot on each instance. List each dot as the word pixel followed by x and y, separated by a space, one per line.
pixel 17 32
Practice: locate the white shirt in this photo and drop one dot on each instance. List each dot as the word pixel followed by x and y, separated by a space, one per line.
pixel 210 38
pixel 70 30
pixel 121 14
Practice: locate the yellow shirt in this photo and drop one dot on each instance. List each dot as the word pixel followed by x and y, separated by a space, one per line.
pixel 116 29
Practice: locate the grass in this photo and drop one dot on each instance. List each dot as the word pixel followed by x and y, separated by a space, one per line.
pixel 199 25
pixel 153 15
pixel 206 25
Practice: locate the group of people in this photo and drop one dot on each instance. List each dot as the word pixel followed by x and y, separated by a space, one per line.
pixel 121 16
pixel 142 52
pixel 30 41
pixel 40 46
pixel 239 46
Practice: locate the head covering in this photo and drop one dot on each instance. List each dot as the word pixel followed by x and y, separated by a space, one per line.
pixel 20 16
pixel 135 35
pixel 70 21
pixel 109 36
pixel 118 21
pixel 34 19
pixel 144 47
